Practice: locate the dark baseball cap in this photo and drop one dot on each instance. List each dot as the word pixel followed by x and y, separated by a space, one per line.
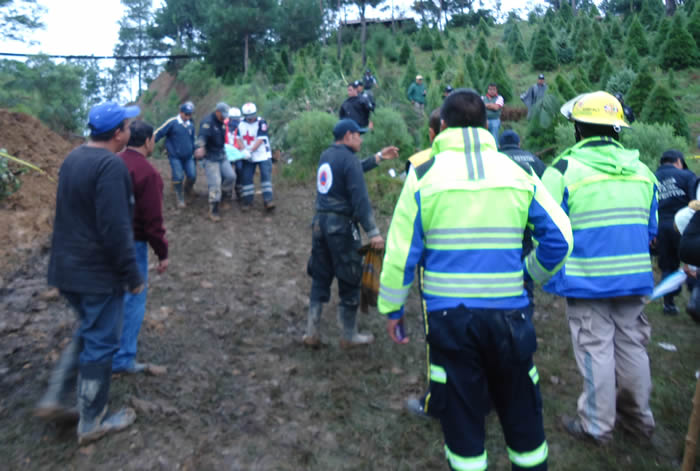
pixel 345 125
pixel 107 116
pixel 671 155
pixel 356 83
pixel 509 138
pixel 187 108
pixel 541 76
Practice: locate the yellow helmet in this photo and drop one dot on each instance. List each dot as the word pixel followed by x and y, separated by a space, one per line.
pixel 595 108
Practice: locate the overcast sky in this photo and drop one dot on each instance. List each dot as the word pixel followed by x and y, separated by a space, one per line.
pixel 89 27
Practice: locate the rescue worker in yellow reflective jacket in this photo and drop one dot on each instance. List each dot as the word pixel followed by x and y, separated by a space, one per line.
pixel 610 196
pixel 461 215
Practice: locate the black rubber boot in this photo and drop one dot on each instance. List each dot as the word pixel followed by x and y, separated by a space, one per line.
pixel 350 336
pixel 54 405
pixel 93 393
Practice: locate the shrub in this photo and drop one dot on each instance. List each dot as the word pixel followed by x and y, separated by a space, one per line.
pixel 9 183
pixel 543 119
pixel 662 34
pixel 621 81
pixel 565 89
pixel 279 72
pixel 519 53
pixel 308 136
pixel 409 75
pixel 679 51
pixel 651 140
pixel 439 66
pixel 694 25
pixel 596 67
pixel 496 73
pixel 389 129
pixel 580 81
pixel 661 108
pixel 405 53
pixel 297 87
pixel 633 59
pixel 564 136
pixel 484 28
pixel 636 38
pixel 199 78
pixel 543 55
pixel 437 40
pixel 425 39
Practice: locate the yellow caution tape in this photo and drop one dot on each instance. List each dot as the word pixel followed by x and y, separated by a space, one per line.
pixel 27 164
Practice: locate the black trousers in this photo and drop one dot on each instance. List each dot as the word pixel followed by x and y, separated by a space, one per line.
pixel 473 347
pixel 335 242
pixel 668 242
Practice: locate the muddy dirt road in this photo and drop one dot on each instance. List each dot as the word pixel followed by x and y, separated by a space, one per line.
pixel 241 391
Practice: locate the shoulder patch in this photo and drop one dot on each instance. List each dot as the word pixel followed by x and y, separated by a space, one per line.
pixel 263 126
pixel 205 125
pixel 324 178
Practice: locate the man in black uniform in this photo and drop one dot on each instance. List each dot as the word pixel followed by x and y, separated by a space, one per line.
pixel 676 188
pixel 210 145
pixel 356 107
pixel 341 203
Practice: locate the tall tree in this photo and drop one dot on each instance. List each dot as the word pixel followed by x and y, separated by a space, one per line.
pixel 19 16
pixel 362 6
pixel 135 41
pixel 300 24
pixel 180 21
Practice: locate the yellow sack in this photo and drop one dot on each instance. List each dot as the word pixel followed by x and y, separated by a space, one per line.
pixel 371 270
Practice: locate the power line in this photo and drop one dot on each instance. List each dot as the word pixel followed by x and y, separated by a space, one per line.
pixel 51 56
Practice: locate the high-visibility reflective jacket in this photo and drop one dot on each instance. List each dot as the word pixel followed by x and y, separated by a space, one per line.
pixel 461 215
pixel 610 197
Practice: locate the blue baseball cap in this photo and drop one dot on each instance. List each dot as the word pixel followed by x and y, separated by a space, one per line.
pixel 187 108
pixel 509 138
pixel 345 125
pixel 107 116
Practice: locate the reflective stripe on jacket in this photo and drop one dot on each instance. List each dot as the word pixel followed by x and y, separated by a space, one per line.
pixel 461 215
pixel 610 197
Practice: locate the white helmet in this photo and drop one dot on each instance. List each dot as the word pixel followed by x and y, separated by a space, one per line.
pixel 249 109
pixel 234 112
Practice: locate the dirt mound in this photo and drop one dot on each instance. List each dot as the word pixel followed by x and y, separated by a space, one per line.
pixel 27 215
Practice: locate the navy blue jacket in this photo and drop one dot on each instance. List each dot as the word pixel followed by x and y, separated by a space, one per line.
pixel 92 248
pixel 212 135
pixel 356 108
pixel 676 189
pixel 341 188
pixel 179 138
pixel 525 159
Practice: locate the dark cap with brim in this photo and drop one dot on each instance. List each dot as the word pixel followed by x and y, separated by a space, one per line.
pixel 344 125
pixel 107 116
pixel 509 138
pixel 671 155
pixel 541 76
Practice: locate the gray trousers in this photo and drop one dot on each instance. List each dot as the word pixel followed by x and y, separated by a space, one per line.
pixel 220 177
pixel 609 338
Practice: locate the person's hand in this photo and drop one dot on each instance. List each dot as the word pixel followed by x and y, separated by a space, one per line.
pixel 377 242
pixel 137 290
pixel 199 153
pixel 391 327
pixel 371 125
pixel 162 265
pixel 390 152
pixel 689 271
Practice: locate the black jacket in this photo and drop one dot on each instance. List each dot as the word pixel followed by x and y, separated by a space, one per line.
pixel 92 248
pixel 212 135
pixel 690 241
pixel 341 188
pixel 525 159
pixel 676 189
pixel 356 108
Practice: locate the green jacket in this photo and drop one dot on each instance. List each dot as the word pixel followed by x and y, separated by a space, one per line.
pixel 416 92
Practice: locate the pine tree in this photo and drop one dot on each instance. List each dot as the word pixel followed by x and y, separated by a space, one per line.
pixel 694 25
pixel 606 73
pixel 482 48
pixel 514 37
pixel 484 28
pixel 471 75
pixel 661 34
pixel 519 53
pixel 346 63
pixel 279 72
pixel 543 56
pixel 425 39
pixel 565 89
pixel 405 53
pixel 596 66
pixel 439 66
pixel 437 40
pixel 633 59
pixel 608 46
pixel 480 69
pixel 616 31
pixel 636 37
pixel 468 34
pixel 496 73
pixel 647 17
pixel 679 51
pixel 639 91
pixel 410 74
pixel 565 12
pixel 661 108
pixel 580 82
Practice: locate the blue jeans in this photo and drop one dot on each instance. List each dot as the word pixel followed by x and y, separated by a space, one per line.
pixel 220 177
pixel 248 188
pixel 494 126
pixel 100 318
pixel 181 167
pixel 134 310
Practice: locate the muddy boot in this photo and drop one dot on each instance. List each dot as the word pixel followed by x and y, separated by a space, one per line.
pixel 214 211
pixel 54 404
pixel 312 338
pixel 226 198
pixel 350 336
pixel 93 392
pixel 179 195
pixel 189 186
pixel 269 205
